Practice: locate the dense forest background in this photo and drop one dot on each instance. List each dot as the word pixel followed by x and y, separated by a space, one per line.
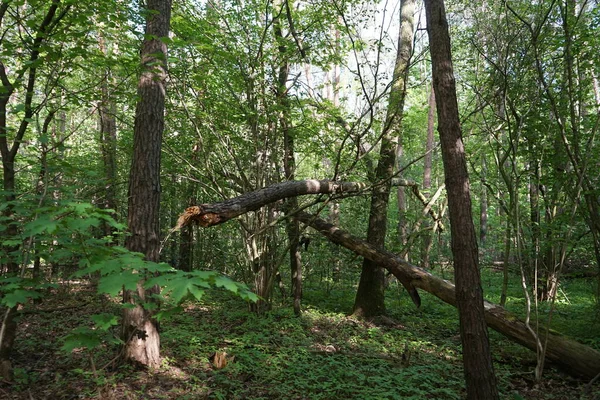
pixel 116 117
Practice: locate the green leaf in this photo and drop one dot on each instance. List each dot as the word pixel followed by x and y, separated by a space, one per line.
pixel 227 283
pixel 112 284
pixel 179 289
pixel 104 321
pixel 19 296
pixel 82 337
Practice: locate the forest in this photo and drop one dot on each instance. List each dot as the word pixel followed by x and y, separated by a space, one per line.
pixel 299 199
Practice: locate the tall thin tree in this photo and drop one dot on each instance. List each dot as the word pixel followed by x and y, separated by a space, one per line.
pixel 477 361
pixel 140 333
pixel 370 295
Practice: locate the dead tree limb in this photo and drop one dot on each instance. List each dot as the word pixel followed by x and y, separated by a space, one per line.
pixel 207 215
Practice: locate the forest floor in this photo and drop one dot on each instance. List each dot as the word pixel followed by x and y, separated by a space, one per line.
pixel 324 354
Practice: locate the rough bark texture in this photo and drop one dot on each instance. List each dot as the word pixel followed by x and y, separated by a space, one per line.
pixel 477 361
pixel 370 296
pixel 140 332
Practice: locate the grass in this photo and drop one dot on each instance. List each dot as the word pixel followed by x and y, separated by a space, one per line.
pixel 324 354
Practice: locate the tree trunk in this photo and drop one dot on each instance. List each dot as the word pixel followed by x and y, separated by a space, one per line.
pixel 369 300
pixel 140 331
pixel 427 236
pixel 478 368
pixel 289 162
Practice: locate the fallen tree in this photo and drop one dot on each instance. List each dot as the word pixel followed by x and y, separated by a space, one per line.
pixel 577 358
pixel 207 215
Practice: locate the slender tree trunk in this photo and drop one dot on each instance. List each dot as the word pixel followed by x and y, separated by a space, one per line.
pixel 427 236
pixel 186 239
pixel 369 300
pixel 289 163
pixel 140 330
pixel 108 138
pixel 478 368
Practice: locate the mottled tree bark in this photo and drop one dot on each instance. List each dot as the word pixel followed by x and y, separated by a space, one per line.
pixel 140 333
pixel 477 361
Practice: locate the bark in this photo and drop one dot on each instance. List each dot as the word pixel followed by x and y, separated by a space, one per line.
pixel 477 361
pixel 370 300
pixel 207 215
pixel 186 255
pixel 140 330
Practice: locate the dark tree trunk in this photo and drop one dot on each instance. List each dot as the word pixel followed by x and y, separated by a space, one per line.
pixel 140 332
pixel 186 255
pixel 478 368
pixel 370 300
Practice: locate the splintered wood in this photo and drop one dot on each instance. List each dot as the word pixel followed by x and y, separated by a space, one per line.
pixel 197 215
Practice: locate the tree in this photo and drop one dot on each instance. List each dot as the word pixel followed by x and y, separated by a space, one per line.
pixel 289 163
pixel 369 300
pixel 19 85
pixel 140 330
pixel 477 360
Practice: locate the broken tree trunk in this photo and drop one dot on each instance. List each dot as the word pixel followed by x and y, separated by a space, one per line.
pixel 575 357
pixel 207 215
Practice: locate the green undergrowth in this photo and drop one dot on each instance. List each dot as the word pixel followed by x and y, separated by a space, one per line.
pixel 324 354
